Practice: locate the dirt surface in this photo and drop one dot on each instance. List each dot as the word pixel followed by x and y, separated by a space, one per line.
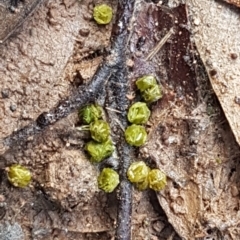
pixel 13 15
pixel 56 50
pixel 44 65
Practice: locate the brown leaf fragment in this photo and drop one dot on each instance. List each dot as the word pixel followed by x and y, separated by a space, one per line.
pixel 187 139
pixel 234 2
pixel 172 61
pixel 88 68
pixel 173 65
pixel 219 51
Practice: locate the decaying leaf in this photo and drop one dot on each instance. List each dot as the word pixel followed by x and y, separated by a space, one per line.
pixel 217 38
pixel 187 138
pixel 235 2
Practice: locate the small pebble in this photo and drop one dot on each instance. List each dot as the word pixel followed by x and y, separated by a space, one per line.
pixel 196 21
pixel 13 107
pixel 237 100
pixel 5 93
pixel 233 56
pixel 213 72
pixel 84 32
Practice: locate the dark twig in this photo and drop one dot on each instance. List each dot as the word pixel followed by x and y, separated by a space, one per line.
pixel 118 89
pixel 84 95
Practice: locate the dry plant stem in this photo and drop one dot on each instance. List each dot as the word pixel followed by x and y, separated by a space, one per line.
pixel 157 48
pixel 125 197
pixel 118 85
pixel 84 95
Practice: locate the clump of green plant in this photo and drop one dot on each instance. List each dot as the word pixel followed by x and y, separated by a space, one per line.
pixel 99 151
pixel 90 113
pixel 108 180
pixel 146 82
pixel 138 174
pixel 138 113
pixel 102 14
pixel 101 146
pixel 100 131
pixel 152 94
pixel 18 175
pixel 149 88
pixel 143 177
pixel 135 135
pixel 157 179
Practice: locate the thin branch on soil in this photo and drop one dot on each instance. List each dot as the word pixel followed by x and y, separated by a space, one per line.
pixel 117 91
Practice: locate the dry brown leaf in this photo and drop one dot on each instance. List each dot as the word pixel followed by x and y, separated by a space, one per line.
pixel 235 2
pixel 217 38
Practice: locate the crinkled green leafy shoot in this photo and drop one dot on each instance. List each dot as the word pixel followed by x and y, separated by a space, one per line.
pixel 152 94
pixel 90 113
pixel 146 82
pixel 99 151
pixel 102 14
pixel 108 180
pixel 18 175
pixel 138 113
pixel 157 179
pixel 100 130
pixel 137 172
